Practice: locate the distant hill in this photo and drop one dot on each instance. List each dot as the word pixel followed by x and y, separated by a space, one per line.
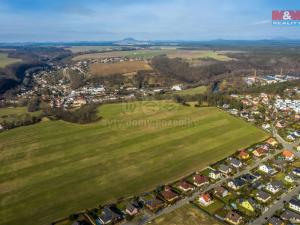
pixel 132 41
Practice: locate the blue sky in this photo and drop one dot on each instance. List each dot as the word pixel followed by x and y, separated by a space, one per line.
pixel 97 20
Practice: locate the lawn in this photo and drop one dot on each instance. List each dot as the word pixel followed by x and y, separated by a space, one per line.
pixel 5 60
pixel 102 69
pixel 51 169
pixel 192 91
pixel 186 215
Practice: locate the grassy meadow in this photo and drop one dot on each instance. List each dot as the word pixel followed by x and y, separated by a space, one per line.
pixel 192 91
pixel 5 60
pixel 53 168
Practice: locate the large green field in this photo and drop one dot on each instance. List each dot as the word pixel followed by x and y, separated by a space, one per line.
pixel 53 168
pixel 192 91
pixel 5 60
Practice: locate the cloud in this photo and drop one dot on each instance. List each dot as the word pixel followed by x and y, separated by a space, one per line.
pixel 260 22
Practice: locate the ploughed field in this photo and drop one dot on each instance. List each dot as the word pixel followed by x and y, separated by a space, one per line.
pixel 102 69
pixel 185 215
pixel 53 168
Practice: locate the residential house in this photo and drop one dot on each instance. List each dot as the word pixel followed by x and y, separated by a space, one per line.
pixel 169 195
pixel 132 208
pixel 185 186
pixel 154 204
pixel 244 155
pixel 236 183
pixel 259 152
pixel 109 215
pixel 220 192
pixel 275 221
pixel 272 142
pixel 290 216
pixel 288 155
pixel 294 204
pixel 274 187
pixel 200 180
pixel 233 218
pixel 262 196
pixel 249 178
pixel 296 172
pixel 235 163
pixel 224 169
pixel 247 205
pixel 257 175
pixel 215 175
pixel 289 179
pixel 205 199
pixel 267 169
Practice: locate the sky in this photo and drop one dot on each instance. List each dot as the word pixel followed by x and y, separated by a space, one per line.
pixel 110 20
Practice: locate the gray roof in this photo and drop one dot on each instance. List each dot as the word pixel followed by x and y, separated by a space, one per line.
pixel 223 167
pixel 263 195
pixel 235 162
pixel 290 215
pixel 275 221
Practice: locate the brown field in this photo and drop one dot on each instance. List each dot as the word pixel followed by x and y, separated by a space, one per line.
pixel 198 54
pixel 102 69
pixel 186 215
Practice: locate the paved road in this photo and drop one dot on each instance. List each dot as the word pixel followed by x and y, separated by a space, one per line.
pixel 150 217
pixel 285 197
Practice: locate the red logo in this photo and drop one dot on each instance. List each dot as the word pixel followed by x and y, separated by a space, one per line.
pixel 286 15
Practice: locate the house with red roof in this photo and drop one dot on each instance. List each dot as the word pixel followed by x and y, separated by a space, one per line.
pixel 169 195
pixel 185 186
pixel 205 199
pixel 200 180
pixel 288 155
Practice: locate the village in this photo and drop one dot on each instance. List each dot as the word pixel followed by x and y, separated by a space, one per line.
pixel 268 111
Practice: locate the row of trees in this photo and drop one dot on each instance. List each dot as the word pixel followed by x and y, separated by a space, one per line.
pixel 25 120
pixel 210 99
pixel 85 114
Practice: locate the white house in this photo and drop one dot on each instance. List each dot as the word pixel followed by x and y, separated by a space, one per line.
pixel 176 87
pixel 205 199
pixel 266 169
pixel 215 175
pixel 274 187
pixel 294 204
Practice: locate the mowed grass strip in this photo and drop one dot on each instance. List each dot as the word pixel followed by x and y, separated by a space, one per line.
pixel 51 169
pixel 192 91
pixel 102 69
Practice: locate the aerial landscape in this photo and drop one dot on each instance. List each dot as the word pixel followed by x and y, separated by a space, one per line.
pixel 141 112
